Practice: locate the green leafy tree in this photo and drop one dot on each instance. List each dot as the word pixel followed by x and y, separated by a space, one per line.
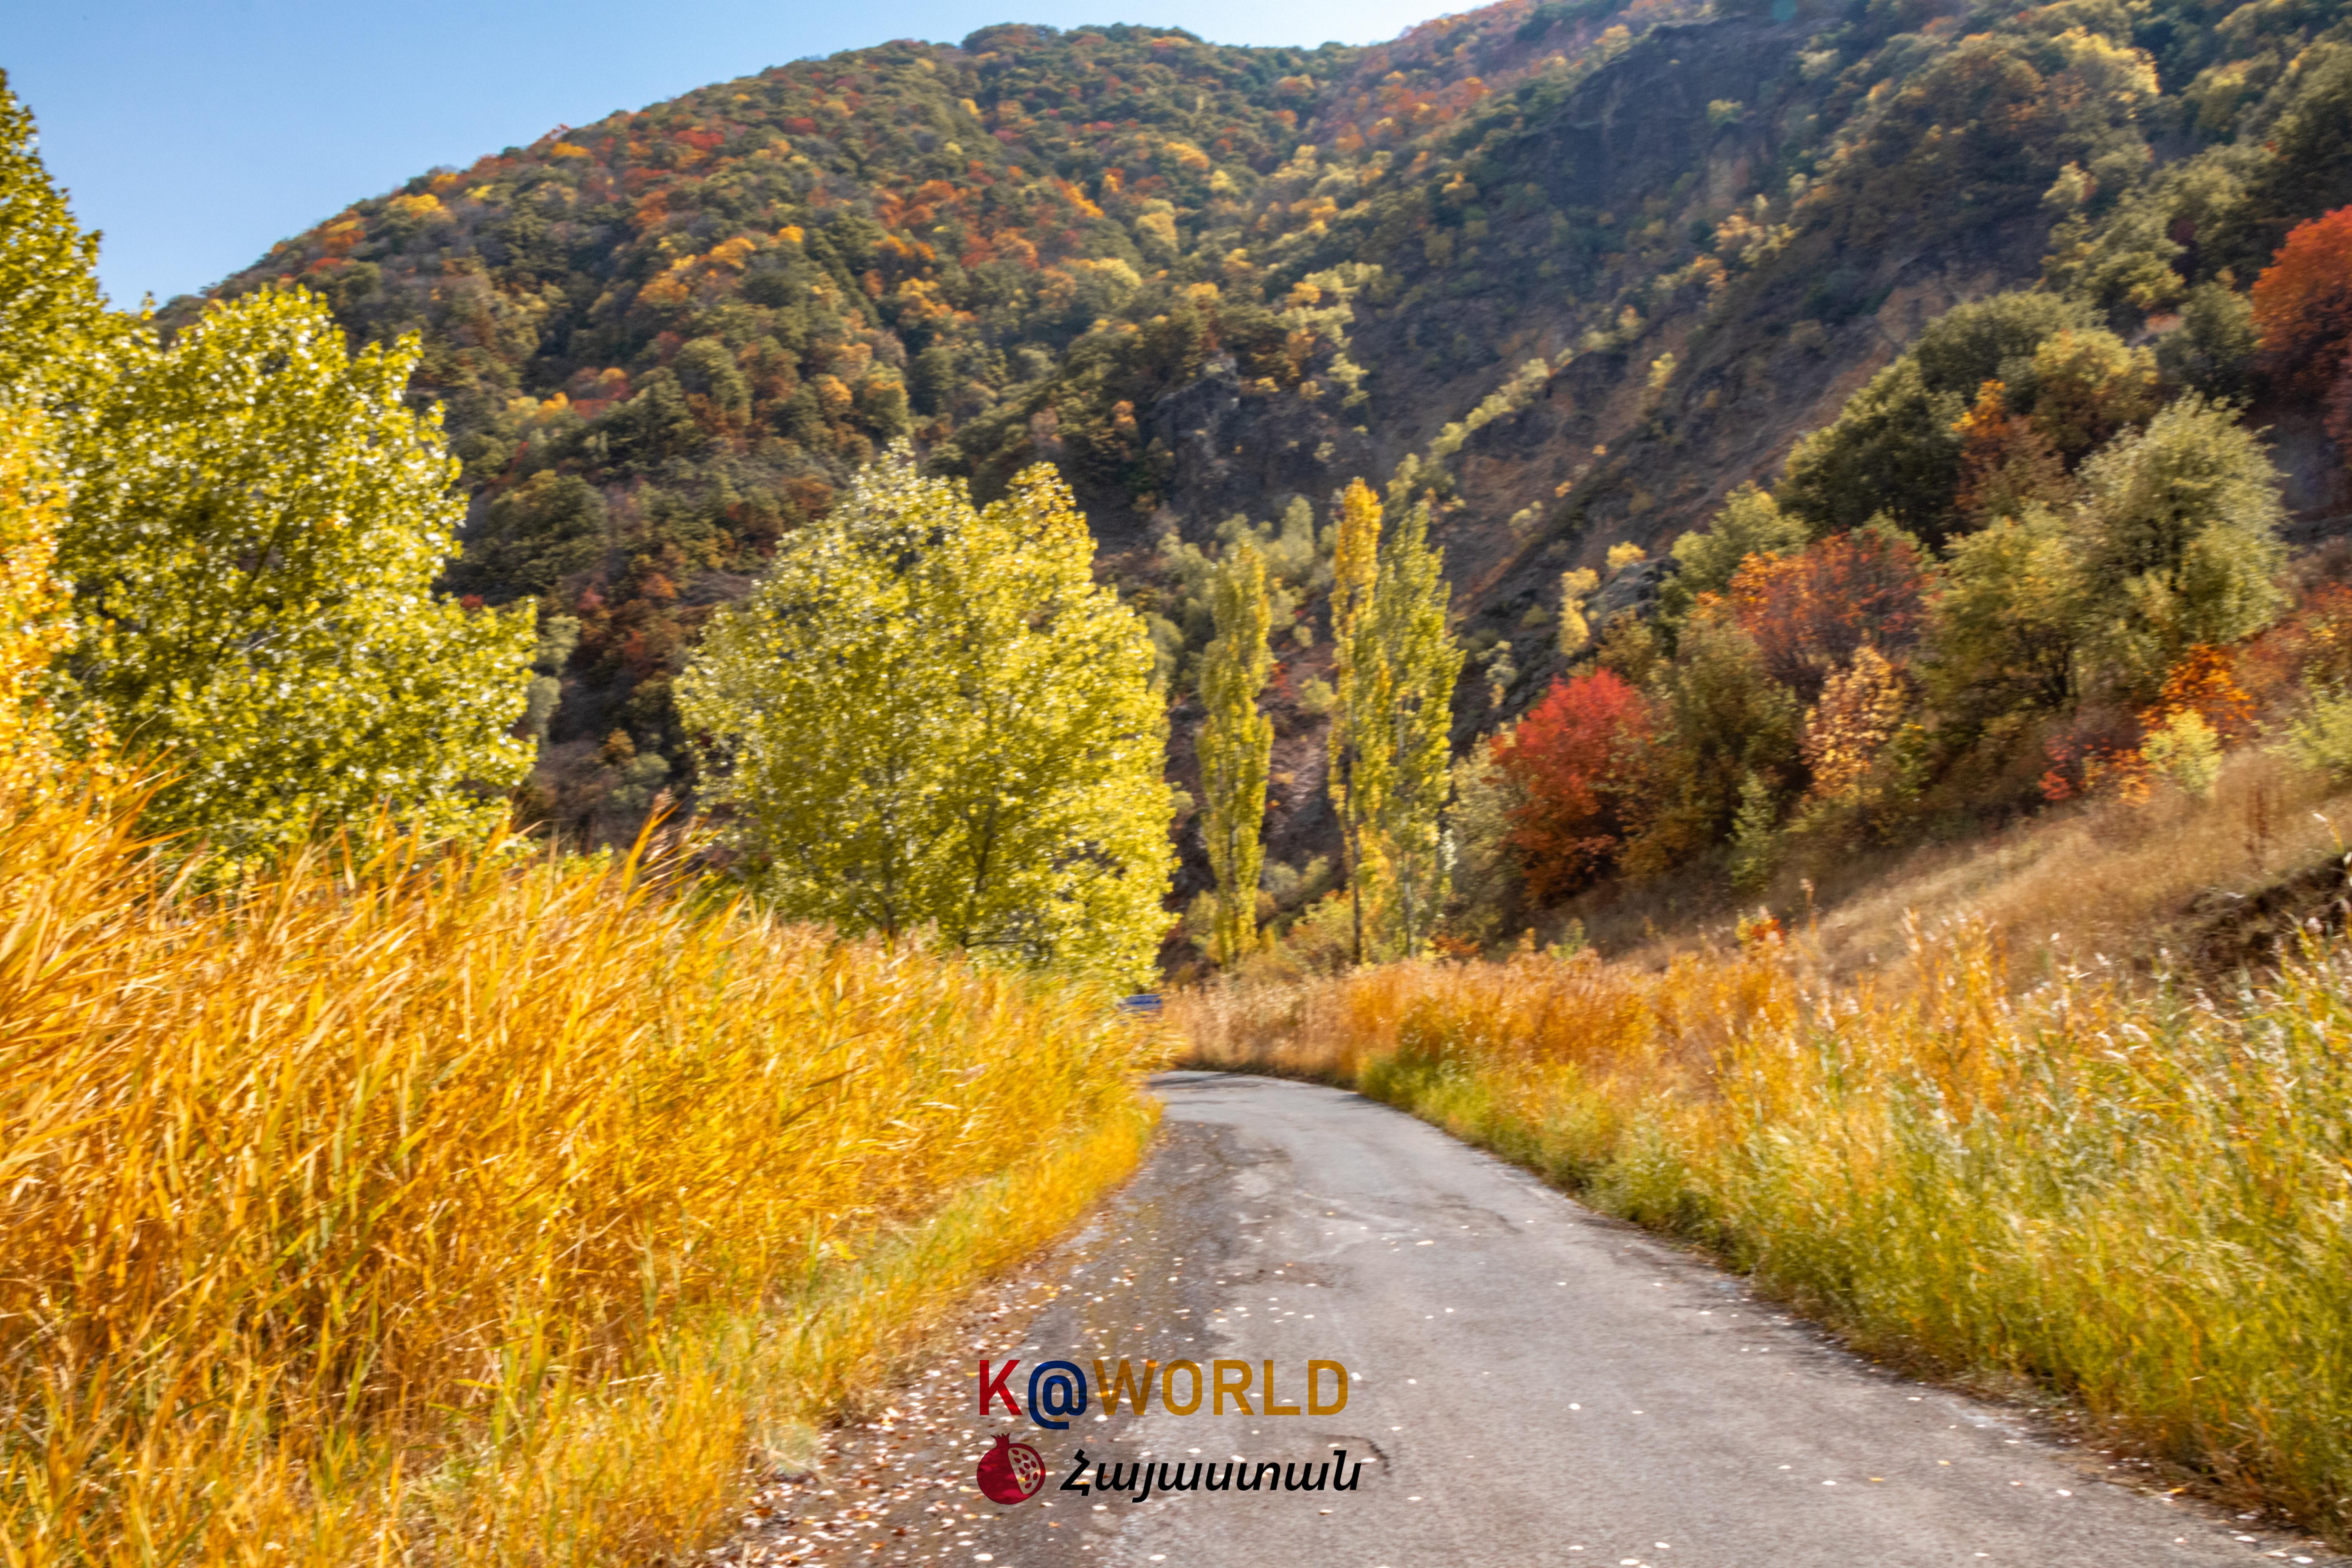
pixel 1236 747
pixel 1893 448
pixel 532 536
pixel 1727 744
pixel 2174 544
pixel 50 305
pixel 1489 868
pixel 2087 385
pixel 2215 344
pixel 2183 521
pixel 932 715
pixel 2010 625
pixel 1986 340
pixel 255 525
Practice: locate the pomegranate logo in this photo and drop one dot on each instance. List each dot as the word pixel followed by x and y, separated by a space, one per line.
pixel 1011 1472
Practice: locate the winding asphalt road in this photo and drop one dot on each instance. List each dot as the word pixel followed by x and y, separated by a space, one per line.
pixel 1529 1383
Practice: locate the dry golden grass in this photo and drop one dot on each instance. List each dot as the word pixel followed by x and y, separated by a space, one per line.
pixel 430 1206
pixel 2132 1197
pixel 2109 880
pixel 2114 878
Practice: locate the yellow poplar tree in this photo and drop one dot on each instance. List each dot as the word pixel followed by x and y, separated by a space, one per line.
pixel 1358 772
pixel 1236 747
pixel 931 715
pixel 33 624
pixel 255 524
pixel 49 314
pixel 1408 622
pixel 50 304
pixel 1397 664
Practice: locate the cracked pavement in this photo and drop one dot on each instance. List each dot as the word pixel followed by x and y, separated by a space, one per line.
pixel 1529 1382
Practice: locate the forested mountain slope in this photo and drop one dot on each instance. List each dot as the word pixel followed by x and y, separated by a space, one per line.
pixel 1648 244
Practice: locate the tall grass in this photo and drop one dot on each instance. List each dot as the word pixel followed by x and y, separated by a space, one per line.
pixel 2144 1201
pixel 419 1204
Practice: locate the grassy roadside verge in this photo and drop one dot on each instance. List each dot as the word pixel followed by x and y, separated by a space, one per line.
pixel 420 1206
pixel 653 1466
pixel 2138 1201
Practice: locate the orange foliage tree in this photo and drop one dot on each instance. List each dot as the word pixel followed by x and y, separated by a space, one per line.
pixel 2100 758
pixel 2006 462
pixel 2205 683
pixel 1572 758
pixel 2312 647
pixel 1810 612
pixel 2303 305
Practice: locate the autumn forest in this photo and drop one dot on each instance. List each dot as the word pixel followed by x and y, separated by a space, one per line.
pixel 1571 274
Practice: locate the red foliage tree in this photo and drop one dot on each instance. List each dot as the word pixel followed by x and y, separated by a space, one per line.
pixel 1809 611
pixel 1571 758
pixel 2303 305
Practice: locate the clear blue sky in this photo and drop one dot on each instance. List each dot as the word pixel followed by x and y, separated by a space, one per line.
pixel 198 133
